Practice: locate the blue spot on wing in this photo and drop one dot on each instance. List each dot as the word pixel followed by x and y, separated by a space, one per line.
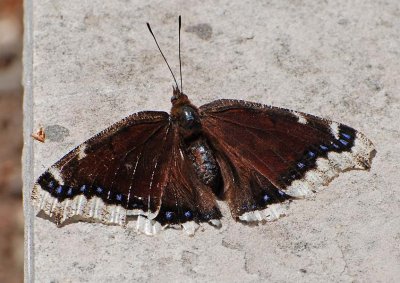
pixel 188 214
pixel 311 154
pixel 118 197
pixel 83 189
pixel 300 165
pixel 169 215
pixel 59 190
pixel 69 191
pixel 323 147
pixel 344 142
pixel 346 136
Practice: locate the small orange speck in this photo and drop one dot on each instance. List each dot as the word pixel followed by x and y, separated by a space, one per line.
pixel 40 135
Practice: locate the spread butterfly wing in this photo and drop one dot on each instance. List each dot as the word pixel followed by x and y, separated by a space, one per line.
pixel 138 166
pixel 268 154
pixel 186 200
pixel 121 171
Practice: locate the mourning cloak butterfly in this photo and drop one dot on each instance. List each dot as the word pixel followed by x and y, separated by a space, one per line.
pixel 168 169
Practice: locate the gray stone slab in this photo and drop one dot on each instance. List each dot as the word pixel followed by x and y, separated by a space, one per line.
pixel 90 63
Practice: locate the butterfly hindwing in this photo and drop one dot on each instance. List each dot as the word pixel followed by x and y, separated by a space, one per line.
pixel 268 151
pixel 185 197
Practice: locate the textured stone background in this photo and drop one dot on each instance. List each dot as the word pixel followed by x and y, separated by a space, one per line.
pixel 94 62
pixel 11 216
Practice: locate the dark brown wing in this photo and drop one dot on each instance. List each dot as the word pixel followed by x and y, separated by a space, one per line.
pixel 185 197
pixel 265 152
pixel 120 171
pixel 135 167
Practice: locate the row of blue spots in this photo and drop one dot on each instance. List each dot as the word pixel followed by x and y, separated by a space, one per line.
pixel 343 142
pixel 118 197
pixel 169 215
pixel 345 138
pixel 59 190
pixel 325 148
pixel 336 146
pixel 83 189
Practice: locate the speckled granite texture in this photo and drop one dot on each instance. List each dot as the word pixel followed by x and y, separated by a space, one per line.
pixel 90 63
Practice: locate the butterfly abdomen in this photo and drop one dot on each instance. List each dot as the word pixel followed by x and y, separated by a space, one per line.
pixel 186 116
pixel 204 163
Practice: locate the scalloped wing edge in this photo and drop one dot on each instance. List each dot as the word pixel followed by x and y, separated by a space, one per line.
pixel 327 168
pixel 81 208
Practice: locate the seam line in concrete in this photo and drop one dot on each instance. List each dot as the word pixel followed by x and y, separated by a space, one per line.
pixel 27 156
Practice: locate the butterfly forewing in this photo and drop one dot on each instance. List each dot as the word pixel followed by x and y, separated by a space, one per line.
pixel 285 151
pixel 121 170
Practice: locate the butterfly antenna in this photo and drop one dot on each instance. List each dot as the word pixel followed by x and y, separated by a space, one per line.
pixel 165 59
pixel 180 61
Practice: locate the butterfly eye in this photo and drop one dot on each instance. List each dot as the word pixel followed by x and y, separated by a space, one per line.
pixel 173 99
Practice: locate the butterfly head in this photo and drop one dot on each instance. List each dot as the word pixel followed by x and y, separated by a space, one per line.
pixel 178 97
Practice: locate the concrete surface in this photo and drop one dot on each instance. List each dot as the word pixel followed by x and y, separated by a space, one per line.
pixel 94 62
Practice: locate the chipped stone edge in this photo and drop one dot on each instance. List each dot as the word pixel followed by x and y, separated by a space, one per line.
pixel 27 152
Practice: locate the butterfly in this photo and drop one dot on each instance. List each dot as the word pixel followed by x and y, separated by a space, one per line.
pixel 170 169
